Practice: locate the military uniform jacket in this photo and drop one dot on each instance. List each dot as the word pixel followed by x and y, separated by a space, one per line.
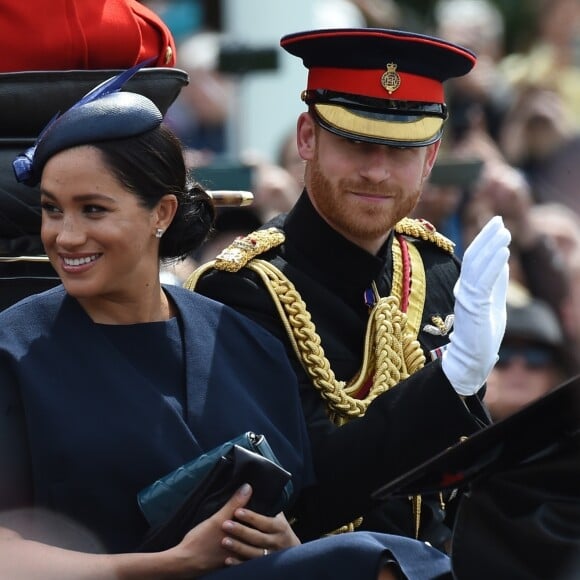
pixel 402 427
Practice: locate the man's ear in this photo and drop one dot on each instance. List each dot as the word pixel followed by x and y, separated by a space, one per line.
pixel 306 136
pixel 430 158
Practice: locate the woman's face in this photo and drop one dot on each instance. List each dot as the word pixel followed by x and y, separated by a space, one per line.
pixel 98 237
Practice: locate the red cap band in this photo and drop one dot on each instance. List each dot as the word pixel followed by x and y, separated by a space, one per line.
pixel 367 83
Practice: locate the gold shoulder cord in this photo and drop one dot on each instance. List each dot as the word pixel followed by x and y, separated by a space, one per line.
pixel 423 230
pixel 391 349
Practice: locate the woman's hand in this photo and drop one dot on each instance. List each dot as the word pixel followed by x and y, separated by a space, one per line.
pixel 252 535
pixel 202 550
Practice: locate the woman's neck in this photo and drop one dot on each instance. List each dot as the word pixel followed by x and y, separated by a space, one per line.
pixel 149 305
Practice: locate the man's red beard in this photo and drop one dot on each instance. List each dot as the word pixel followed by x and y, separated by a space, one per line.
pixel 357 220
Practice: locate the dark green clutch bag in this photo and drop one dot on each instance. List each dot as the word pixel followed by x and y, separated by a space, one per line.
pixel 193 492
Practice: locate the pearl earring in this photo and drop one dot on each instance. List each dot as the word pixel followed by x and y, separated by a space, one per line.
pixel 158 232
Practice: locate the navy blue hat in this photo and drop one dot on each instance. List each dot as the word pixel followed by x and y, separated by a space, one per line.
pixel 103 114
pixel 376 85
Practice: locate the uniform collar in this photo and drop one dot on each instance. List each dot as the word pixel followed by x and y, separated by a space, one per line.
pixel 327 250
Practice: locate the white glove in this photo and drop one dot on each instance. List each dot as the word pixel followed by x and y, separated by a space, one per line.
pixel 480 310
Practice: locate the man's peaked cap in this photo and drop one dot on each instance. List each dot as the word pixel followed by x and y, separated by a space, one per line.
pixel 378 85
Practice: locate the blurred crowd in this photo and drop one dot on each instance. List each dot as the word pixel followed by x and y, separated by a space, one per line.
pixel 517 114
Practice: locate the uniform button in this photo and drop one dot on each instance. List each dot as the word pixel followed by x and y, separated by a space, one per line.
pixel 168 55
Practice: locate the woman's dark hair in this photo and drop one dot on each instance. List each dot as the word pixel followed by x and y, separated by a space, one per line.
pixel 151 165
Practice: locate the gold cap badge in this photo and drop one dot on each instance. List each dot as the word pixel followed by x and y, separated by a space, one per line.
pixel 391 80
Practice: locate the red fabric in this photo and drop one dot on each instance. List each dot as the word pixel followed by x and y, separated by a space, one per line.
pixel 407 274
pixel 367 82
pixel 86 34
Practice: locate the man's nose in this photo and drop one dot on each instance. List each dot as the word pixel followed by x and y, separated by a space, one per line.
pixel 376 166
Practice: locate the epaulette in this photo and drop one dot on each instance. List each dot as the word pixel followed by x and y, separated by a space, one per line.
pixel 424 230
pixel 245 248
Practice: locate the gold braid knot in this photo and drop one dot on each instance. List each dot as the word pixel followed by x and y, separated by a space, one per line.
pixel 395 353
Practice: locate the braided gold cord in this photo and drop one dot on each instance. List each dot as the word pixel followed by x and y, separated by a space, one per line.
pixel 194 277
pixel 387 348
pixel 304 339
pixel 416 502
pixel 351 527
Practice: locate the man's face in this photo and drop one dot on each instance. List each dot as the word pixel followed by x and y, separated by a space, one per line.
pixel 360 189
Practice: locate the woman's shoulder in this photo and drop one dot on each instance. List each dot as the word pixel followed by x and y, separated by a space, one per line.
pixel 30 317
pixel 198 309
pixel 34 305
